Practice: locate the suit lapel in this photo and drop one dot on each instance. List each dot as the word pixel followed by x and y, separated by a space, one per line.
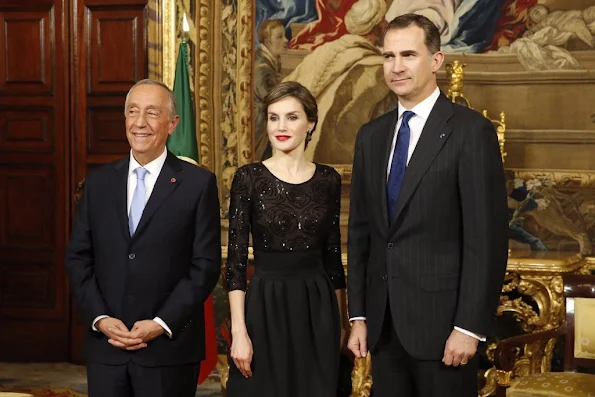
pixel 435 133
pixel 121 178
pixel 384 148
pixel 169 179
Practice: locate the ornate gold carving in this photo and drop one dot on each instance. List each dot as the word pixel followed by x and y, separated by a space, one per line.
pixel 532 358
pixel 244 82
pixel 361 377
pixel 538 277
pixel 200 66
pixel 590 267
pixel 204 88
pixel 503 377
pixel 229 105
pixel 168 13
pixel 491 382
pixel 500 130
pixel 455 72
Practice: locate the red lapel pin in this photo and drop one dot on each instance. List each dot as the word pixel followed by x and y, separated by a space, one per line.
pixel 173 180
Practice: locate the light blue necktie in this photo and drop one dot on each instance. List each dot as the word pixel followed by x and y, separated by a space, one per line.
pixel 138 200
pixel 398 165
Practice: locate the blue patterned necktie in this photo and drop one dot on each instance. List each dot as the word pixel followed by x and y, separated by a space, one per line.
pixel 138 200
pixel 398 165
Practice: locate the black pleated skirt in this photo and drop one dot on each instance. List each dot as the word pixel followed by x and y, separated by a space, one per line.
pixel 292 318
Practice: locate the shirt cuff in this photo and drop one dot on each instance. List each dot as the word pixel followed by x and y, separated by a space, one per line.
pixel 469 333
pixel 163 325
pixel 93 327
pixel 357 318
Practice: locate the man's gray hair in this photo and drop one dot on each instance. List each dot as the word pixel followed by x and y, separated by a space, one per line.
pixel 170 94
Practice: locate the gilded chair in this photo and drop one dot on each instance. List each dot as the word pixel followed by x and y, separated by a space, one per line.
pixel 537 380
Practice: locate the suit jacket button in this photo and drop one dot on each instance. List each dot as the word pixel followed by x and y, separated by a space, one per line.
pixel 385 277
pixel 131 256
pixel 389 246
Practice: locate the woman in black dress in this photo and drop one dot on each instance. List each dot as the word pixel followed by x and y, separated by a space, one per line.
pixel 286 330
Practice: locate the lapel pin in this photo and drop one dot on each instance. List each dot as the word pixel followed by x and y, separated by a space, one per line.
pixel 173 180
pixel 442 135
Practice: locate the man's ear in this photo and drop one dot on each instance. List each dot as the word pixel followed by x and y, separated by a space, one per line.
pixel 173 123
pixel 437 60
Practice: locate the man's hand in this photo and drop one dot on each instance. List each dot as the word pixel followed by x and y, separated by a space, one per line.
pixel 118 334
pixel 357 343
pixel 146 330
pixel 459 349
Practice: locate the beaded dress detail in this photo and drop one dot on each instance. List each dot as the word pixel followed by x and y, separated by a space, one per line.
pixel 291 309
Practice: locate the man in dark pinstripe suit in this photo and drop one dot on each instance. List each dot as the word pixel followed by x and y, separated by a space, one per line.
pixel 427 228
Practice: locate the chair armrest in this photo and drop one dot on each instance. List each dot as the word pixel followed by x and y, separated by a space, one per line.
pixel 507 349
pixel 507 352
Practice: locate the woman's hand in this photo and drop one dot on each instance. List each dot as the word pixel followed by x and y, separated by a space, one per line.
pixel 241 353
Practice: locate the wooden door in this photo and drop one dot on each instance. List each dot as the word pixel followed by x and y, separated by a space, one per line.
pixel 34 179
pixel 65 69
pixel 109 47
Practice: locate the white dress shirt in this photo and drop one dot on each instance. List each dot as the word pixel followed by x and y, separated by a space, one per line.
pixel 154 169
pixel 416 125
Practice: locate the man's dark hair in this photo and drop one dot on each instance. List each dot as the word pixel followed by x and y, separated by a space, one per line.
pixel 431 33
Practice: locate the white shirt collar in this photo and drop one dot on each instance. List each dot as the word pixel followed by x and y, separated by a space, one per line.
pixel 423 108
pixel 154 167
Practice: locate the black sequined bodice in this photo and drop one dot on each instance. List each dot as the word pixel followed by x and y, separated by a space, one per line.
pixel 284 217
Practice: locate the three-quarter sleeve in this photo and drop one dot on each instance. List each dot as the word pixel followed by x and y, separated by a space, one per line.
pixel 332 247
pixel 239 230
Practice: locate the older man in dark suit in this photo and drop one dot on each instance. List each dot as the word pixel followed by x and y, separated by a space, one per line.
pixel 428 232
pixel 144 255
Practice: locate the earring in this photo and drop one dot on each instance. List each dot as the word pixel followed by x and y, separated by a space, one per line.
pixel 309 136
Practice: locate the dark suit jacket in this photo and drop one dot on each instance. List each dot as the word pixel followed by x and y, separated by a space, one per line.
pixel 167 269
pixel 441 263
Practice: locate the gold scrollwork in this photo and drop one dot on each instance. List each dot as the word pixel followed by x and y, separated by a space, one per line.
pixel 201 64
pixel 230 19
pixel 204 87
pixel 244 82
pixel 500 130
pixel 361 377
pixel 538 279
pixel 168 13
pixel 456 74
pixel 545 291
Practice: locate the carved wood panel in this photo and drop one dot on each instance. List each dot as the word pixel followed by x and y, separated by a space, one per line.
pixel 27 130
pixel 115 39
pixel 27 52
pixel 110 48
pixel 34 159
pixel 106 133
pixel 27 214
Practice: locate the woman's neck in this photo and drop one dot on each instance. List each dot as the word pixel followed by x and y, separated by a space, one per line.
pixel 291 163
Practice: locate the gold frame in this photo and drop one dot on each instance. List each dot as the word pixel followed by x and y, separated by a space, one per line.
pixel 168 12
pixel 202 36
